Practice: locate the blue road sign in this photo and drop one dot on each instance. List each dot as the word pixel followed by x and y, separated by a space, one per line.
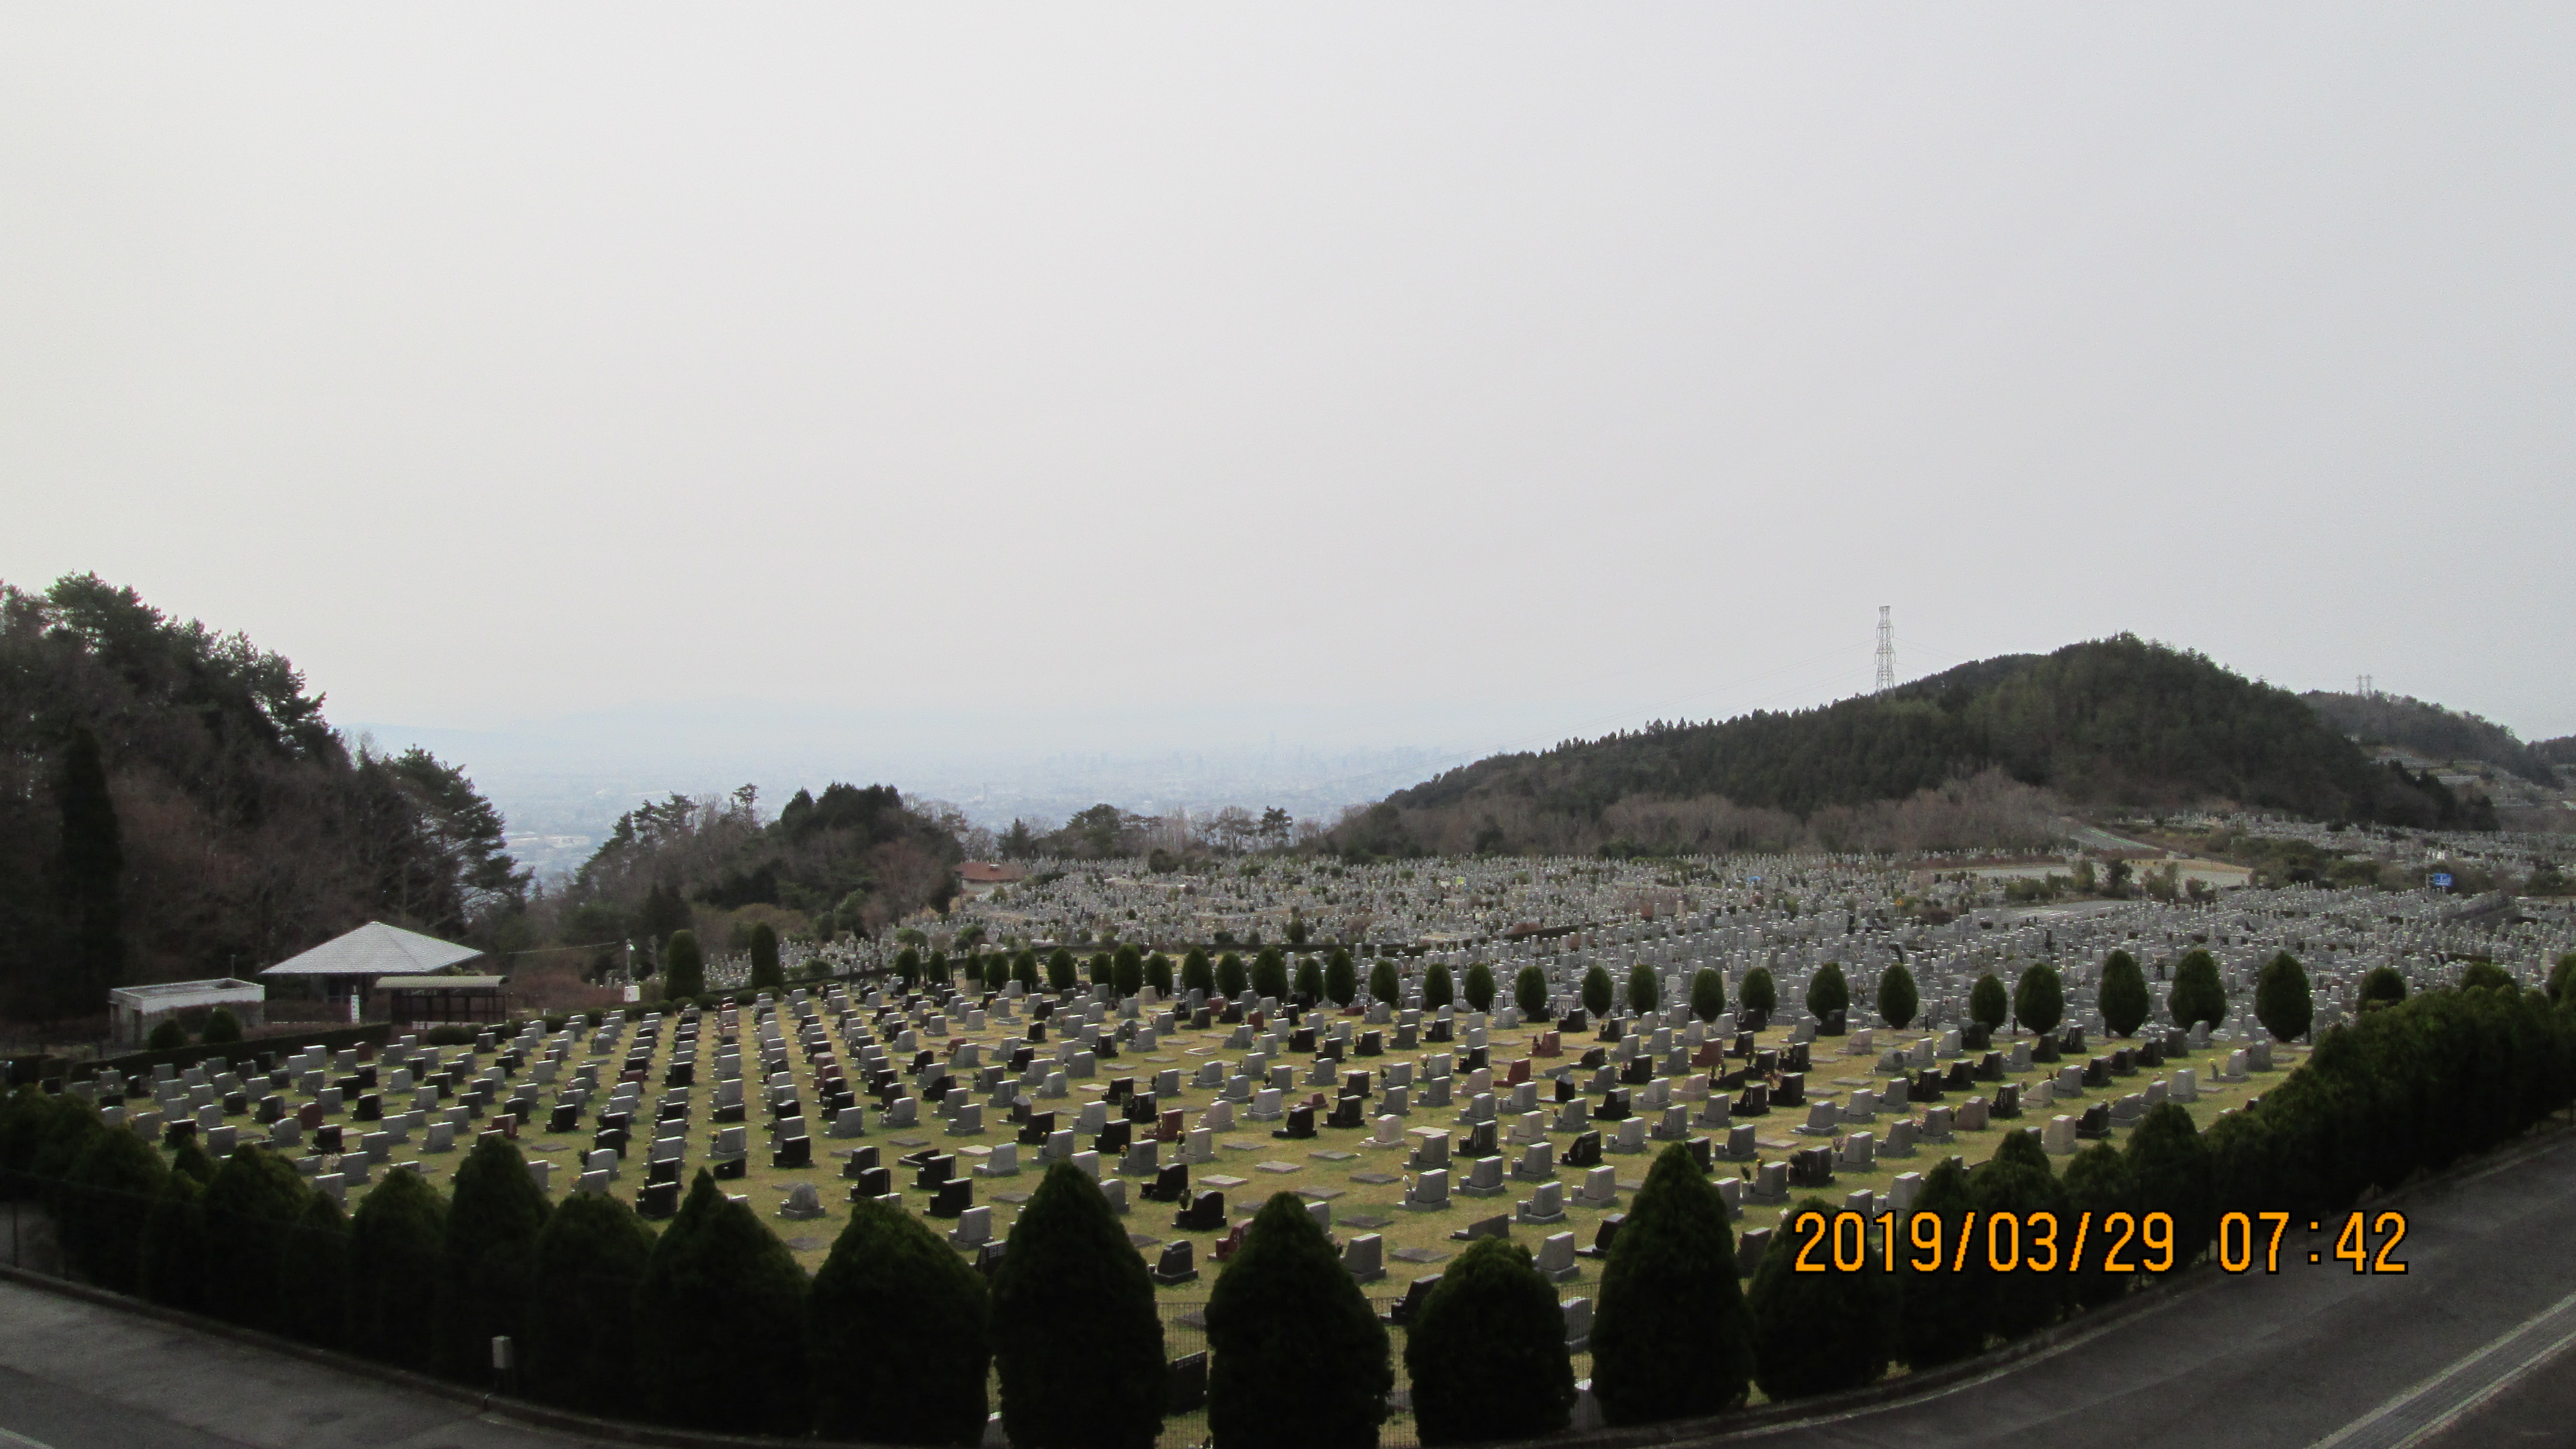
pixel 2441 880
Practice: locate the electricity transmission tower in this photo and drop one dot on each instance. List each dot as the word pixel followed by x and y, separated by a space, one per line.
pixel 1886 654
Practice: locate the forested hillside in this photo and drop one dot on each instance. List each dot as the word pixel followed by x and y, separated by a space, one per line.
pixel 2430 731
pixel 173 804
pixel 2113 722
pixel 851 859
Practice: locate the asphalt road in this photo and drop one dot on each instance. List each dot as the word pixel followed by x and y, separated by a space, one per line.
pixel 2469 1347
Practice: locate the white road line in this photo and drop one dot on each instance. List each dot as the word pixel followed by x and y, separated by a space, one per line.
pixel 2391 1425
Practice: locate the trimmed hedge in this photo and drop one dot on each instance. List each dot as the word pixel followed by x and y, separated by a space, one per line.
pixel 1486 1354
pixel 494 1216
pixel 2039 1000
pixel 113 1185
pixel 1670 1335
pixel 1644 990
pixel 1760 992
pixel 2099 1181
pixel 1070 1277
pixel 591 1257
pixel 1988 1002
pixel 397 1262
pixel 313 1279
pixel 1480 987
pixel 720 1321
pixel 251 1212
pixel 1941 1315
pixel 2198 994
pixel 1296 1355
pixel 1897 998
pixel 1708 993
pixel 1828 992
pixel 898 1329
pixel 1596 992
pixel 1529 993
pixel 1438 990
pixel 2283 1001
pixel 1819 1333
pixel 2124 998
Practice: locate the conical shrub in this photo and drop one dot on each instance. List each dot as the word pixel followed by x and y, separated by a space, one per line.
pixel 1486 1354
pixel 251 1212
pixel 175 1249
pixel 897 1327
pixel 397 1262
pixel 720 1322
pixel 493 1219
pixel 2169 1167
pixel 591 1259
pixel 1819 1333
pixel 1670 1335
pixel 114 1184
pixel 1070 1277
pixel 2124 999
pixel 1296 1355
pixel 313 1278
pixel 1941 1312
pixel 2098 1181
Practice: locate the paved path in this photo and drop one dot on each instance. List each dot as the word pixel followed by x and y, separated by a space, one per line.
pixel 2467 1350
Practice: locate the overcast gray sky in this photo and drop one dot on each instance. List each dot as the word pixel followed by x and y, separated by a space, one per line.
pixel 999 378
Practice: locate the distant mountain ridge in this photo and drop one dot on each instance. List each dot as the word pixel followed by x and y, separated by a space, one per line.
pixel 2422 728
pixel 2117 721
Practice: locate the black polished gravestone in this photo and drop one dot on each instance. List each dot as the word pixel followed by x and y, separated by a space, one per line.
pixel 1990 1067
pixel 1179 1264
pixel 1593 1060
pixel 681 1074
pixel 2095 1124
pixel 1143 1107
pixel 861 1159
pixel 1603 1236
pixel 1416 1294
pixel 2044 1049
pixel 1834 1023
pixel 1792 1091
pixel 1035 1131
pixel 2124 1063
pixel 1480 1142
pixel 326 1140
pixel 953 1198
pixel 1976 1036
pixel 1300 1125
pixel 1926 1087
pixel 1795 1058
pixel 1120 1089
pixel 666 1170
pixel 793 1152
pixel 1348 1112
pixel 934 1170
pixel 1638 1072
pixel 1703 1152
pixel 1614 1106
pixel 370 1108
pixel 2097 1073
pixel 1205 1214
pixel 1960 1078
pixel 1566 1091
pixel 1171 1184
pixel 2007 1101
pixel 658 1200
pixel 728 1168
pixel 1185 1379
pixel 565 1117
pixel 1755 1100
pixel 1811 1167
pixel 1584 1150
pixel 872 1183
pixel 1114 1137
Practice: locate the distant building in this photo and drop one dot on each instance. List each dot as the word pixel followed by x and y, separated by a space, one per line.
pixel 347 967
pixel 133 1011
pixel 981 877
pixel 444 1000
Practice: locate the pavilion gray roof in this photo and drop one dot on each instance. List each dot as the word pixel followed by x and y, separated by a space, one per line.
pixel 375 949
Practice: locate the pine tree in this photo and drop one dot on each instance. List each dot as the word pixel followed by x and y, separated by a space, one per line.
pixel 2198 995
pixel 1671 1338
pixel 1296 1355
pixel 493 1219
pixel 1270 974
pixel 2124 999
pixel 1383 986
pixel 1479 989
pixel 2040 1000
pixel 765 975
pixel 251 1211
pixel 313 1277
pixel 1060 970
pixel 1817 1333
pixel 1196 974
pixel 397 1260
pixel 684 971
pixel 1069 1276
pixel 1437 990
pixel 591 1259
pixel 1596 992
pixel 1897 999
pixel 91 874
pixel 1158 974
pixel 1941 1314
pixel 1486 1354
pixel 1126 970
pixel 720 1321
pixel 2282 1000
pixel 1231 979
pixel 1529 993
pixel 1644 991
pixel 898 1328
pixel 2098 1181
pixel 1708 994
pixel 1341 979
pixel 1987 1002
pixel 1761 994
pixel 1024 969
pixel 1828 992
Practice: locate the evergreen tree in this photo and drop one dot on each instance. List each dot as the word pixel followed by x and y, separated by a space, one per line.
pixel 1383 986
pixel 1069 1276
pixel 591 1258
pixel 493 1220
pixel 1760 993
pixel 2018 1181
pixel 313 1277
pixel 1341 979
pixel 2386 986
pixel 1270 974
pixel 684 971
pixel 2098 1181
pixel 1987 1002
pixel 1060 970
pixel 720 1321
pixel 193 1160
pixel 1644 991
pixel 1310 979
pixel 1480 987
pixel 1126 970
pixel 1158 974
pixel 2282 1000
pixel 1296 1355
pixel 91 874
pixel 1670 1337
pixel 1828 992
pixel 1196 974
pixel 1596 991
pixel 222 1027
pixel 251 1211
pixel 2477 976
pixel 1708 994
pixel 898 1327
pixel 2169 1163
pixel 1231 980
pixel 907 968
pixel 1897 998
pixel 175 1248
pixel 113 1185
pixel 2124 994
pixel 1817 1333
pixel 765 975
pixel 2040 999
pixel 2198 994
pixel 1486 1354
pixel 1941 1314
pixel 1437 990
pixel 397 1260
pixel 1529 993
pixel 2560 976
pixel 167 1035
